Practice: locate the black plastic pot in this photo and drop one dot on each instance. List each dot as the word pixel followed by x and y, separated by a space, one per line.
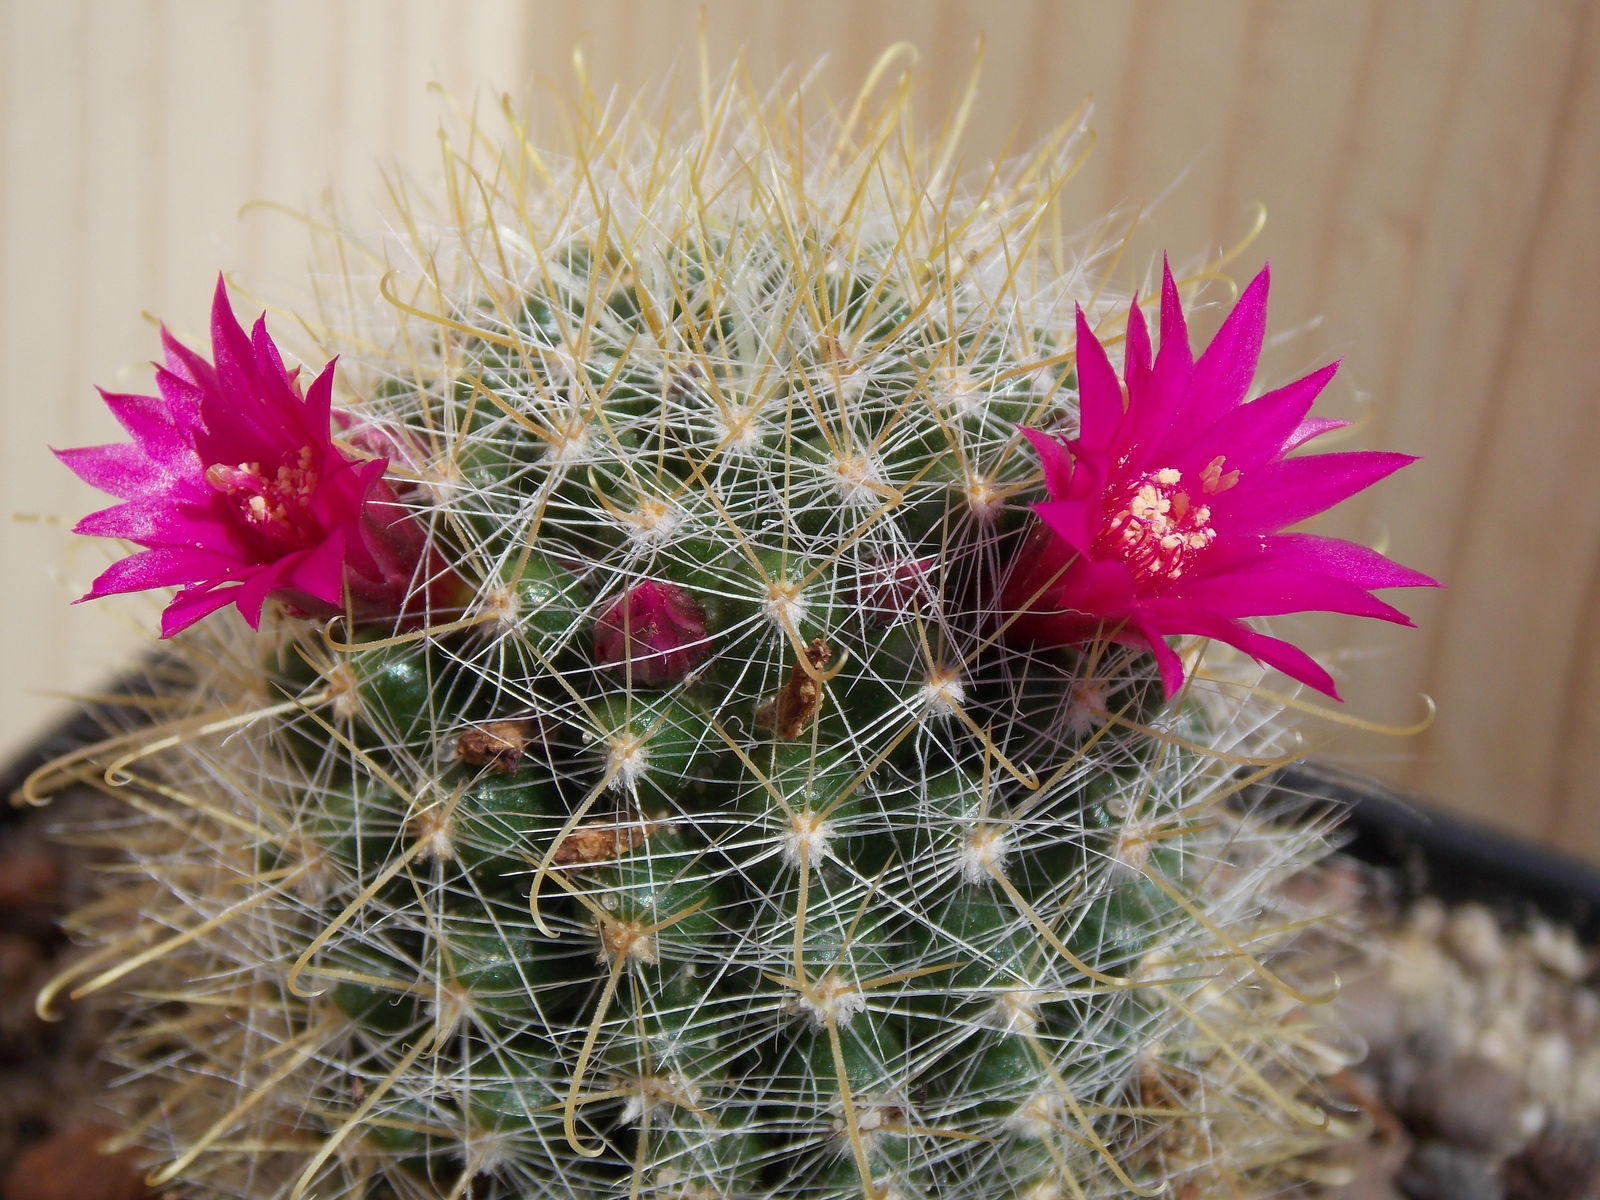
pixel 1434 853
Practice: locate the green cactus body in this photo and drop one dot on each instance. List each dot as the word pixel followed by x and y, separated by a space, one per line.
pixel 851 898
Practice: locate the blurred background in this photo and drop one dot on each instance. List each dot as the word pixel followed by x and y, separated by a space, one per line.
pixel 1430 173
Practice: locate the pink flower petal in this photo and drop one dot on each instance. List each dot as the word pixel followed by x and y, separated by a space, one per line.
pixel 1173 358
pixel 232 356
pixel 1332 556
pixel 191 604
pixel 1223 374
pixel 184 399
pixel 318 405
pixel 320 572
pixel 1253 434
pixel 1271 588
pixel 1073 598
pixel 150 423
pixel 1099 393
pixel 163 566
pixel 1167 660
pixel 1270 651
pixel 1149 419
pixel 256 587
pixel 121 469
pixel 153 523
pixel 1312 427
pixel 185 365
pixel 1074 521
pixel 654 633
pixel 1278 654
pixel 1288 492
pixel 1136 356
pixel 1054 458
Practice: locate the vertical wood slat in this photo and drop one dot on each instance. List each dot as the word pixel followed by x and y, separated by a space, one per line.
pixel 1529 572
pixel 1399 150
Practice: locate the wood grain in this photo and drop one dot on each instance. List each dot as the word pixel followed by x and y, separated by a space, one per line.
pixel 1429 171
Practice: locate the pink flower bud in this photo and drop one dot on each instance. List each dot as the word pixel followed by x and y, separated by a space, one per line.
pixel 891 589
pixel 656 631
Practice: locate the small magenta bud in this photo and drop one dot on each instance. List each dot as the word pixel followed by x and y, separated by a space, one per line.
pixel 891 589
pixel 655 630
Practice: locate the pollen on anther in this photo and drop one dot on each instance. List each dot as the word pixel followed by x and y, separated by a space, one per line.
pixel 1212 478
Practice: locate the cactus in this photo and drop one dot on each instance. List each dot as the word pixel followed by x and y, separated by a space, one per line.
pixel 696 828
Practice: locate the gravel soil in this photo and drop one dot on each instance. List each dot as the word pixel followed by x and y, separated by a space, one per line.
pixel 1481 1071
pixel 52 1129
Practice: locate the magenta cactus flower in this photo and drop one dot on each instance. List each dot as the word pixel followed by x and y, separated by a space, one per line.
pixel 235 489
pixel 655 630
pixel 1166 512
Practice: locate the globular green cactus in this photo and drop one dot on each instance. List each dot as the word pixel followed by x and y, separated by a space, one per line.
pixel 701 831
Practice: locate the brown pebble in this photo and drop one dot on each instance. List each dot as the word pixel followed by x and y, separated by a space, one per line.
pixel 1369 1008
pixel 1375 1157
pixel 20 957
pixel 22 972
pixel 71 1165
pixel 1469 1102
pixel 1440 1171
pixel 1559 1164
pixel 1335 885
pixel 1373 1171
pixel 28 878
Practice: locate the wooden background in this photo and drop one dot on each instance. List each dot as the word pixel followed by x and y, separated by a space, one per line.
pixel 1430 169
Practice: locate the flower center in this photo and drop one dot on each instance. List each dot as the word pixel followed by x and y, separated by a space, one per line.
pixel 277 506
pixel 1156 528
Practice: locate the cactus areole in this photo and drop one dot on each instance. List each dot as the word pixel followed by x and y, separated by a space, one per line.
pixel 676 744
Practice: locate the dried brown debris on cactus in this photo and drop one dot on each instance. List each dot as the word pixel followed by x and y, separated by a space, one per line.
pixel 597 842
pixel 498 745
pixel 797 705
